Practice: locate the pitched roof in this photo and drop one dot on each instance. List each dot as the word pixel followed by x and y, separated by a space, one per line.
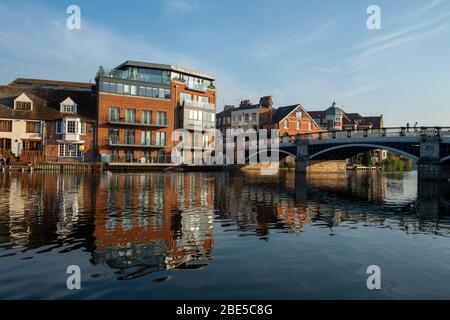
pixel 282 112
pixel 46 103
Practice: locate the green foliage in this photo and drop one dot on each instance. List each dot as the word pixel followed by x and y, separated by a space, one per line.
pixel 367 159
pixel 397 165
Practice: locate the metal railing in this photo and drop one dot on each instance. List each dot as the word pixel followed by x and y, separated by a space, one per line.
pixel 383 132
pixel 130 158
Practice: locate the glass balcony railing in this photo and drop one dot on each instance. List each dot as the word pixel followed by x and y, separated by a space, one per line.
pixel 197 87
pixel 125 75
pixel 198 104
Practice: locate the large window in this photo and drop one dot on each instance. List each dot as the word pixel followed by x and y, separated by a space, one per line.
pixel 129 137
pixel 143 91
pixel 146 117
pixel 286 124
pixel 69 150
pixel 146 138
pixel 114 114
pixel 113 135
pixel 5 126
pixel 33 127
pixel 160 138
pixel 161 118
pixel 130 115
pixel 71 127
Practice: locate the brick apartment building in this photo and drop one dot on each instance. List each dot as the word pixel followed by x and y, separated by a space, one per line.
pixel 45 120
pixel 140 104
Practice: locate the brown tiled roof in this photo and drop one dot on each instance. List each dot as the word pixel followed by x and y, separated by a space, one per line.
pixel 46 103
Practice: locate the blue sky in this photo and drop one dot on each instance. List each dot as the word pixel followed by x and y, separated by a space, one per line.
pixel 307 52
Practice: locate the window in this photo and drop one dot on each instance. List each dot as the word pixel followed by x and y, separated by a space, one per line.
pixel 146 138
pixel 240 118
pixel 113 87
pixel 253 116
pixel 5 126
pixel 167 93
pixel 185 97
pixel 120 88
pixel 33 127
pixel 161 93
pixel 23 106
pixel 129 137
pixel 105 87
pixel 126 89
pixel 286 124
pixel 69 108
pixel 142 91
pixel 298 125
pixel 148 91
pixel 246 117
pixel 146 117
pixel 31 145
pixel 160 138
pixel 161 118
pixel 69 150
pixel 59 126
pixel 130 115
pixel 83 127
pixel 133 90
pixel 114 114
pixel 113 135
pixel 309 126
pixel 71 127
pixel 298 114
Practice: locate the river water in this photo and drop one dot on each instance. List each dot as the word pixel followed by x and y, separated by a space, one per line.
pixel 224 235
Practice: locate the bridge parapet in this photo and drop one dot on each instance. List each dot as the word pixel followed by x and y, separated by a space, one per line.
pixel 384 132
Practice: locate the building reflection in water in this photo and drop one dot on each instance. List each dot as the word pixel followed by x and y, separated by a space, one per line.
pixel 142 223
pixel 148 223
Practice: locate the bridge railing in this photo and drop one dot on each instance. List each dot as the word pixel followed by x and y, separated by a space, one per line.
pixel 383 132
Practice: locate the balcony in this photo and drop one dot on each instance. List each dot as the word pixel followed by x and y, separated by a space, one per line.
pixel 197 87
pixel 114 143
pixel 142 77
pixel 122 122
pixel 198 104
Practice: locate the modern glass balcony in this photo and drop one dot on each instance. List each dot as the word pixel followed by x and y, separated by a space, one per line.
pixel 139 76
pixel 198 104
pixel 197 87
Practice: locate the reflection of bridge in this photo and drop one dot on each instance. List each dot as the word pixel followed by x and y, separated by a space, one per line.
pixel 429 146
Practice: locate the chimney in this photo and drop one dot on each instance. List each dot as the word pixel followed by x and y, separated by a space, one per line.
pixel 266 102
pixel 245 103
pixel 228 107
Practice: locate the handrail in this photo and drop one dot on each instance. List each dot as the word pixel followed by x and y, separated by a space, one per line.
pixel 383 132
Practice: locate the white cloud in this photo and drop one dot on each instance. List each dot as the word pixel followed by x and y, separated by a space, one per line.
pixel 433 4
pixel 44 47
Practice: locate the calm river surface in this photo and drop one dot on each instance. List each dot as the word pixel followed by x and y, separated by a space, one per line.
pixel 223 235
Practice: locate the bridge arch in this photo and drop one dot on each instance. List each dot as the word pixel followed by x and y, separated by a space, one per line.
pixel 445 159
pixel 357 149
pixel 282 154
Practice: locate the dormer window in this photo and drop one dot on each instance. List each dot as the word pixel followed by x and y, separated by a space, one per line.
pixel 68 106
pixel 23 103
